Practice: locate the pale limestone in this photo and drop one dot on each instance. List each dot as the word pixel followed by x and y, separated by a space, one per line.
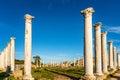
pixel 114 57
pixel 88 43
pixel 12 54
pixel 104 52
pixel 110 55
pixel 118 60
pixel 98 62
pixel 28 47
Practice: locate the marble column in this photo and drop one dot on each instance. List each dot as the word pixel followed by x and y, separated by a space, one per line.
pixel 12 54
pixel 104 52
pixel 118 60
pixel 2 57
pixel 110 55
pixel 5 57
pixel 0 61
pixel 9 58
pixel 28 47
pixel 114 58
pixel 88 58
pixel 98 62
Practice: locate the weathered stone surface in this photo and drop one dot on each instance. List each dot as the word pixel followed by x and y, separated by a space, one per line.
pixel 28 47
pixel 88 65
pixel 104 52
pixel 98 63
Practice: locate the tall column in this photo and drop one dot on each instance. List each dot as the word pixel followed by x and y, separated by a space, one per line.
pixel 9 58
pixel 110 55
pixel 88 58
pixel 114 57
pixel 2 57
pixel 118 60
pixel 104 52
pixel 5 57
pixel 12 53
pixel 28 47
pixel 98 65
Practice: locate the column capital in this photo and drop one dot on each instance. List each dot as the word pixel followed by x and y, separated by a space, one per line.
pixel 87 12
pixel 12 38
pixel 99 24
pixel 104 33
pixel 28 18
pixel 110 42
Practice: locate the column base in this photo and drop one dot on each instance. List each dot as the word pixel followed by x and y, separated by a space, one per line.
pixel 98 74
pixel 89 77
pixel 28 78
pixel 105 73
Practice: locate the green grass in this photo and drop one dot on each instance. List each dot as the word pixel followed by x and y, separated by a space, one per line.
pixel 50 72
pixel 3 75
pixel 42 73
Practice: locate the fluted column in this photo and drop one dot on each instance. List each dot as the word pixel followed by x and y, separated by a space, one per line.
pixel 12 53
pixel 88 58
pixel 114 58
pixel 118 61
pixel 98 65
pixel 110 55
pixel 104 52
pixel 28 47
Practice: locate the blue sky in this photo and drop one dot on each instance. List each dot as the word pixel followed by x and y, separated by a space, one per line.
pixel 57 27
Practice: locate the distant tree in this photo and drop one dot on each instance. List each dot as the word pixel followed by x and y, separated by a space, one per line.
pixel 37 60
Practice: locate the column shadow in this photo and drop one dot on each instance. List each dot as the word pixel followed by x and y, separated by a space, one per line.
pixel 116 77
pixel 8 69
pixel 71 77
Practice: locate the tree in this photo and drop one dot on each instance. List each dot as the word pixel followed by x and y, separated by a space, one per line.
pixel 37 60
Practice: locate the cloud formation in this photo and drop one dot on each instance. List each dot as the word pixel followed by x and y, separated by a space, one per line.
pixel 115 29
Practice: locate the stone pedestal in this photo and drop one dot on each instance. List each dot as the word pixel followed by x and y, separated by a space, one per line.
pixel 98 65
pixel 28 47
pixel 104 53
pixel 88 58
pixel 110 56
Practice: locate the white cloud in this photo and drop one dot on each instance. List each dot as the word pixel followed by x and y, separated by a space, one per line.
pixel 113 29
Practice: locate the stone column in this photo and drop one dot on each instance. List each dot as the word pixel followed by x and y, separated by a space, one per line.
pixel 114 58
pixel 110 55
pixel 28 47
pixel 12 53
pixel 2 61
pixel 118 61
pixel 9 58
pixel 88 58
pixel 98 65
pixel 104 52
pixel 5 57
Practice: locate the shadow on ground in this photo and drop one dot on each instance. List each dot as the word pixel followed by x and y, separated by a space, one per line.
pixel 116 77
pixel 3 75
pixel 71 77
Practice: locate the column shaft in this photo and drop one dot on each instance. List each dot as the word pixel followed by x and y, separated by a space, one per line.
pixel 88 58
pixel 119 60
pixel 104 53
pixel 114 57
pixel 110 55
pixel 98 65
pixel 12 53
pixel 28 46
